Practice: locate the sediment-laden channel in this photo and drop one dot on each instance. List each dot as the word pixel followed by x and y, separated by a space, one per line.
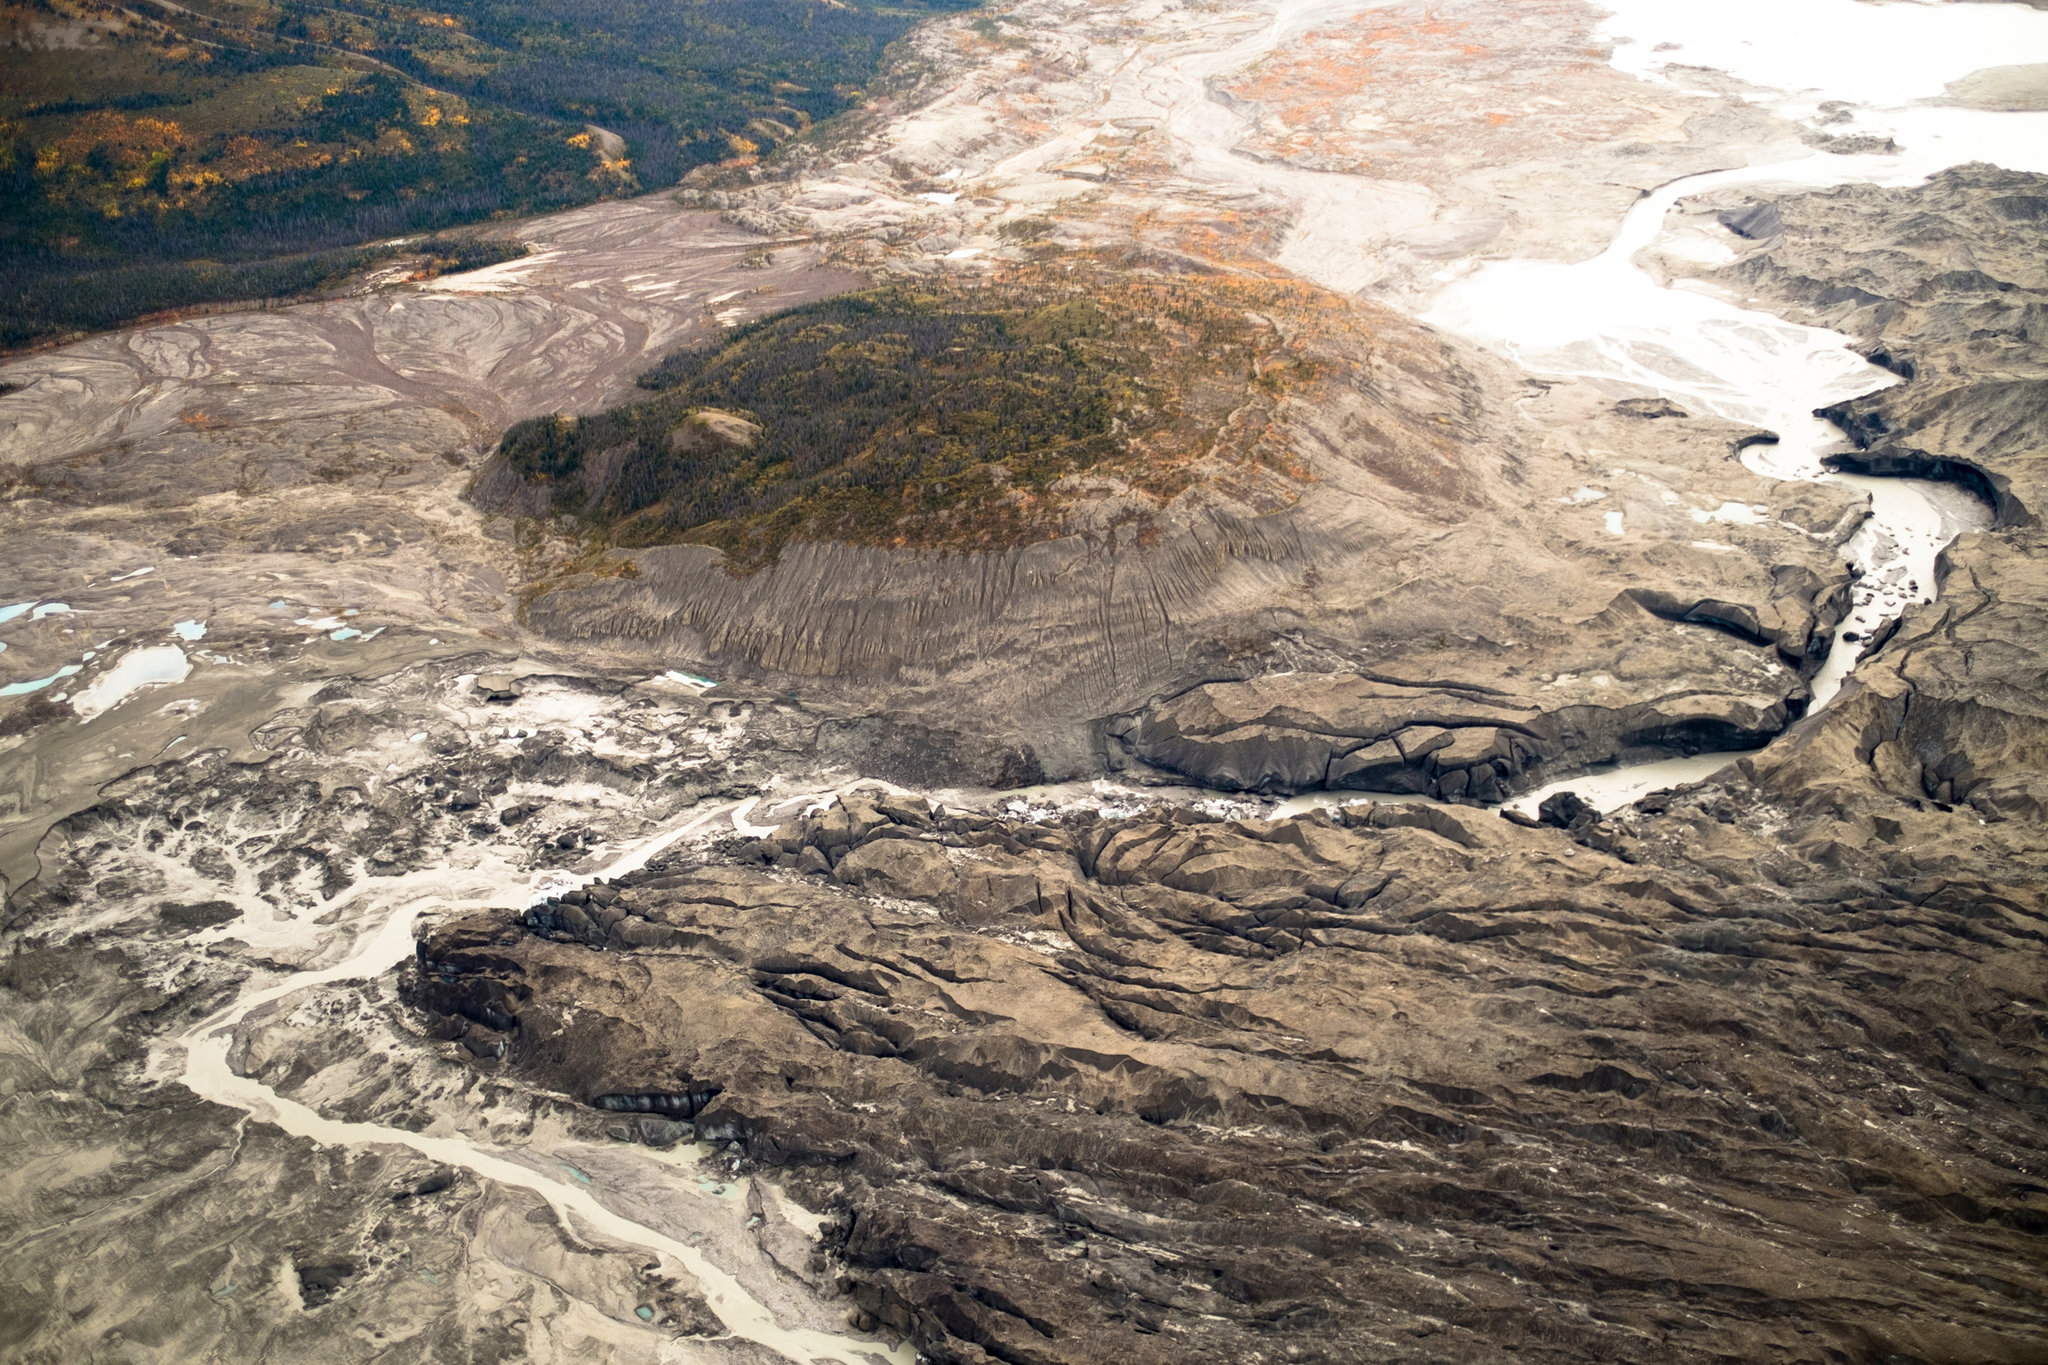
pixel 388 942
pixel 1606 321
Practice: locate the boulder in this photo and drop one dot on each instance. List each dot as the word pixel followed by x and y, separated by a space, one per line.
pixel 899 867
pixel 1005 888
pixel 1380 767
pixel 501 688
pixel 1565 810
pixel 907 810
pixel 660 1132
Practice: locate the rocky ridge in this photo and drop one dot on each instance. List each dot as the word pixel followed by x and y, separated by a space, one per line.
pixel 1394 1079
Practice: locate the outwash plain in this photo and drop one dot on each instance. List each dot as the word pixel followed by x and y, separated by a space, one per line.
pixel 1276 682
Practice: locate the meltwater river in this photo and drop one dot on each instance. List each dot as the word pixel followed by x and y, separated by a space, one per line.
pixel 578 1208
pixel 1607 322
pixel 1882 67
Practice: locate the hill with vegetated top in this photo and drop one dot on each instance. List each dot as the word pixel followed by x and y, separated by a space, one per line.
pixel 954 415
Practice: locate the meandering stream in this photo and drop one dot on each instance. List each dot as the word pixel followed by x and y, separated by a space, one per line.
pixel 1605 320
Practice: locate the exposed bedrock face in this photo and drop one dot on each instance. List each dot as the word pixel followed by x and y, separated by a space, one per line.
pixel 1389 1084
pixel 1447 740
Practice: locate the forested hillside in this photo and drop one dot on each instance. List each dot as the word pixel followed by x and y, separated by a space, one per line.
pixel 940 415
pixel 138 141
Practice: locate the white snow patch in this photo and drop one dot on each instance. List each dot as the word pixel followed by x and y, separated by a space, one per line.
pixel 138 669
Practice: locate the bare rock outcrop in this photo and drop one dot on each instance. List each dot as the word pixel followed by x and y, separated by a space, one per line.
pixel 1397 1081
